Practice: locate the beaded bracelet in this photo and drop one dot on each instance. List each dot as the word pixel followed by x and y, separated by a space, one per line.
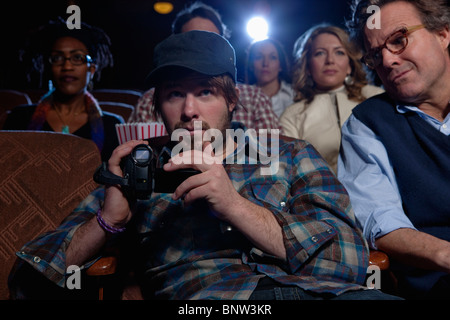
pixel 106 226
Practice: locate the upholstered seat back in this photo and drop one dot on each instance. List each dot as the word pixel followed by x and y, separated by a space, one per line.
pixel 43 177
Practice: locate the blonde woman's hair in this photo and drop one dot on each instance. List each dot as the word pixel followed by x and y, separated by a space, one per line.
pixel 302 81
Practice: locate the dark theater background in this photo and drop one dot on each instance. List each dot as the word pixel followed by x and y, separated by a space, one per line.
pixel 135 28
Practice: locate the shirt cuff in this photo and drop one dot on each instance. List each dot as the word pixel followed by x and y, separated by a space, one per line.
pixel 383 221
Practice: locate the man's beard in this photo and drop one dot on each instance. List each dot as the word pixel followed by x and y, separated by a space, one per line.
pixel 198 144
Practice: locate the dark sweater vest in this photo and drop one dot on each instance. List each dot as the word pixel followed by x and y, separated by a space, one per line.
pixel 420 156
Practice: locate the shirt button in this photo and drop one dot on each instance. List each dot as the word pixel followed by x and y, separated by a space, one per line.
pixel 329 230
pixel 37 259
pixel 282 203
pixel 444 126
pixel 314 239
pixel 225 228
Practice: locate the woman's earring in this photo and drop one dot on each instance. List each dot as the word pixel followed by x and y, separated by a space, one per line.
pixel 349 80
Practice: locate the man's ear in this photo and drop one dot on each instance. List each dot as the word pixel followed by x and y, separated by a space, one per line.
pixel 444 37
pixel 233 105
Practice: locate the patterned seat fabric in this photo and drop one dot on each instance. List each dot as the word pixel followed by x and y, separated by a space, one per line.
pixel 43 177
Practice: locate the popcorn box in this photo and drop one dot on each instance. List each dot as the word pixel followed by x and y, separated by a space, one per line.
pixel 139 130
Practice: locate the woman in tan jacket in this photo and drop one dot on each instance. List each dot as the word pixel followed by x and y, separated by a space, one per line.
pixel 329 81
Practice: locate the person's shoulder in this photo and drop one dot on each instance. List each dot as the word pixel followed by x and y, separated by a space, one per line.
pixel 287 87
pixel 289 143
pixel 375 106
pixel 370 90
pixel 246 87
pixel 294 109
pixel 148 94
pixel 382 97
pixel 294 151
pixel 250 92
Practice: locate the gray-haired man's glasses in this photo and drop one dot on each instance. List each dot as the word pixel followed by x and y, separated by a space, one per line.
pixel 396 43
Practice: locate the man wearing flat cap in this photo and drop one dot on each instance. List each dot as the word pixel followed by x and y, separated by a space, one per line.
pixel 231 231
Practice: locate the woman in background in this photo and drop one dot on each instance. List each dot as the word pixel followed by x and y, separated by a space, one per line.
pixel 329 81
pixel 268 67
pixel 69 59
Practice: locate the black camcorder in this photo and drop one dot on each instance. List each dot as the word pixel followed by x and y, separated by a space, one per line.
pixel 143 174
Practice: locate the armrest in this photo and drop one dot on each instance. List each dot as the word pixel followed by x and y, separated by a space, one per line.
pixel 103 266
pixel 380 259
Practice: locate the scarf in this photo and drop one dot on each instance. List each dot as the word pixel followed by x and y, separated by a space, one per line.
pixel 92 108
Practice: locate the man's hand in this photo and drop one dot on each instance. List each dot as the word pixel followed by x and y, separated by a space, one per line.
pixel 213 184
pixel 91 237
pixel 116 211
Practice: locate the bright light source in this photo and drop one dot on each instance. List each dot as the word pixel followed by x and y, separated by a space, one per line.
pixel 258 28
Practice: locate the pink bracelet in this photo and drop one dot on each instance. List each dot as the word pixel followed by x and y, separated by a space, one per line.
pixel 106 226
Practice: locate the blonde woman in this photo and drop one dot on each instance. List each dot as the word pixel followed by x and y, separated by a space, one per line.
pixel 329 81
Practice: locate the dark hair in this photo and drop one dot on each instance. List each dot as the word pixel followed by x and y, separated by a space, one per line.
pixel 38 47
pixel 285 73
pixel 434 14
pixel 199 9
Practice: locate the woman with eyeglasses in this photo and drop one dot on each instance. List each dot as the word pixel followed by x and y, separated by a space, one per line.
pixel 69 59
pixel 329 81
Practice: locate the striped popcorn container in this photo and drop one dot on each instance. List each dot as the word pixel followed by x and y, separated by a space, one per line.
pixel 139 130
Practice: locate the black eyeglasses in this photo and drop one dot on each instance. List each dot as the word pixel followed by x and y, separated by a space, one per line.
pixel 75 59
pixel 396 43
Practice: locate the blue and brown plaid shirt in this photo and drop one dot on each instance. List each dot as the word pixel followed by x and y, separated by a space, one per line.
pixel 190 254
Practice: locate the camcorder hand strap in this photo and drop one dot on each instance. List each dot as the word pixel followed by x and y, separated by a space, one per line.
pixel 103 176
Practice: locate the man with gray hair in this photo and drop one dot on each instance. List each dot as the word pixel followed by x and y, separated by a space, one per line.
pixel 395 151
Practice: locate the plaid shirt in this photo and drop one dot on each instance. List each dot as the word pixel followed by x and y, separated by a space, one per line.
pixel 257 112
pixel 189 254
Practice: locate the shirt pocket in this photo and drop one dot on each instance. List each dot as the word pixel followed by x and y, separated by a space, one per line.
pixel 271 195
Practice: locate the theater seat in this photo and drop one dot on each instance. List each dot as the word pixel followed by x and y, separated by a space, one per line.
pixel 43 177
pixel 8 100
pixel 122 109
pixel 130 97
